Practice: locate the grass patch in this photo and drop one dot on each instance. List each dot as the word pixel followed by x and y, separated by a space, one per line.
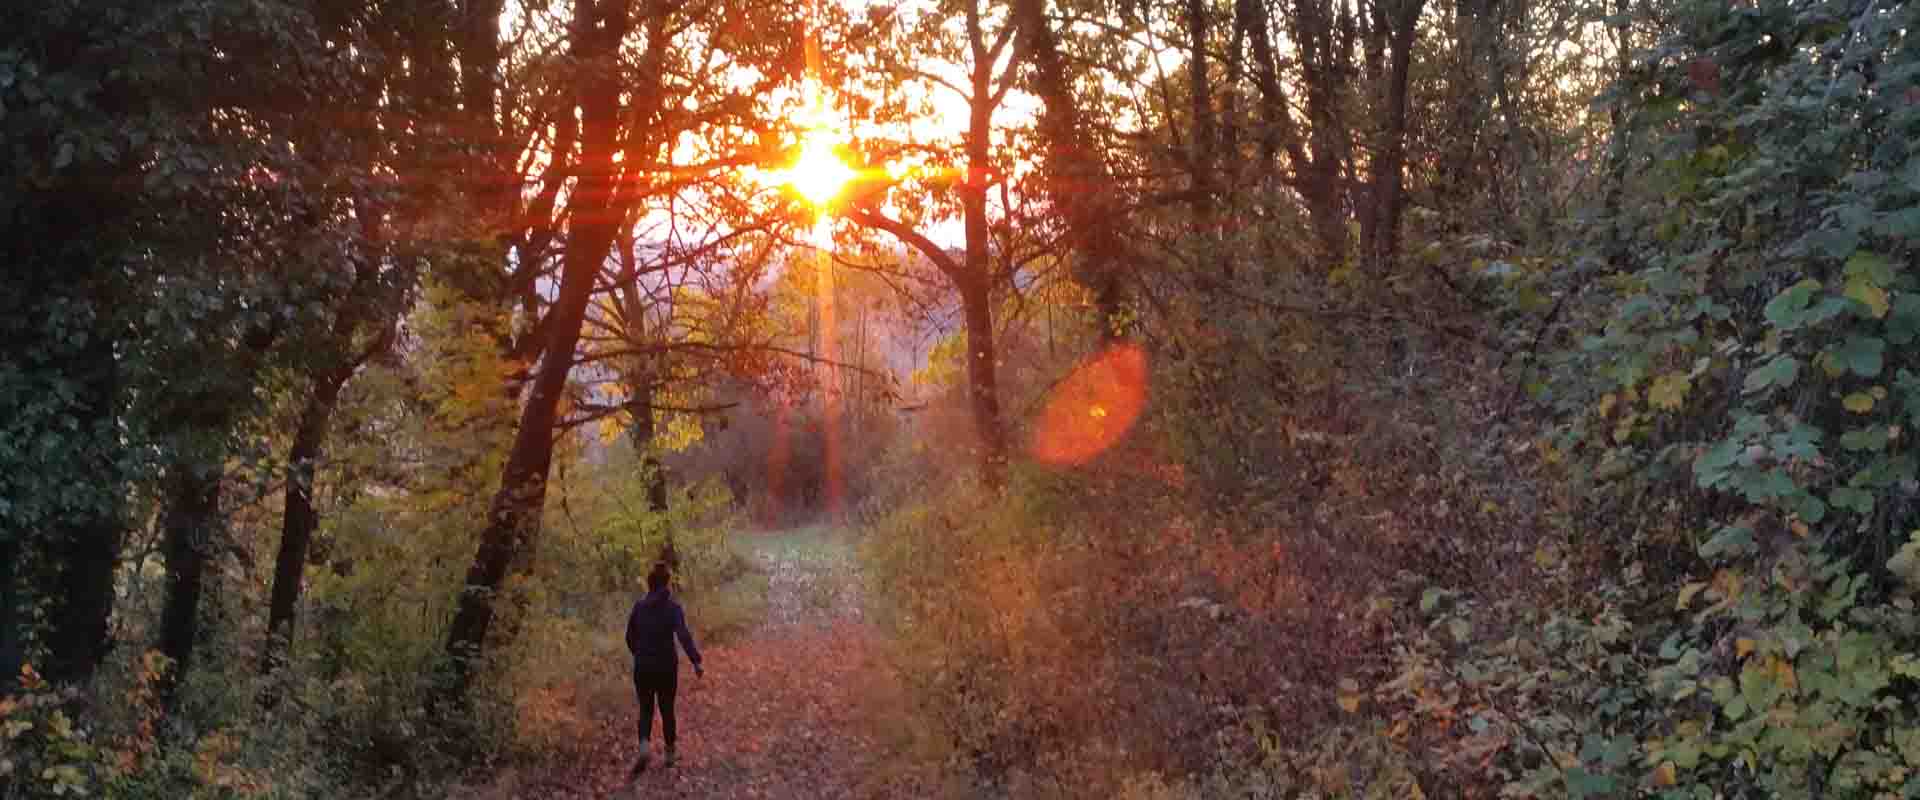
pixel 729 611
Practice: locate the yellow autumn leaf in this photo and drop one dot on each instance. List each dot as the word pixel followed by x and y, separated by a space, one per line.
pixel 1727 582
pixel 1666 774
pixel 1743 646
pixel 1873 297
pixel 1858 402
pixel 1687 593
pixel 1782 670
pixel 1669 391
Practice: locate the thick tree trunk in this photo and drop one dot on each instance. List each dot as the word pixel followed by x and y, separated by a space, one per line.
pixel 1325 44
pixel 83 553
pixel 193 508
pixel 976 294
pixel 513 520
pixel 976 275
pixel 983 390
pixel 301 519
pixel 12 643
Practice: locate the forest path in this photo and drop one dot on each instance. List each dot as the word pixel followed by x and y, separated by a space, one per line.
pixel 785 711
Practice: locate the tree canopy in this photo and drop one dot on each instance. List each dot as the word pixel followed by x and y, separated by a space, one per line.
pixel 1213 397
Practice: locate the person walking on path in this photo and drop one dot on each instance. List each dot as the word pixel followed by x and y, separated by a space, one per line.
pixel 655 622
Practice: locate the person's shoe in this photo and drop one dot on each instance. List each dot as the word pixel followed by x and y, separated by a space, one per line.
pixel 638 766
pixel 670 758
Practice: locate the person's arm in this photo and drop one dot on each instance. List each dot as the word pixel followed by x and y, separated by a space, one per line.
pixel 686 638
pixel 633 630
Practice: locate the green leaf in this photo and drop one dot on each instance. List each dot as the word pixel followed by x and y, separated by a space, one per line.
pixel 1848 497
pixel 1904 223
pixel 1812 509
pixel 1904 325
pixel 1788 310
pixel 1731 540
pixel 1874 438
pixel 1858 402
pixel 1869 266
pixel 1710 469
pixel 1781 371
pixel 1582 784
pixel 1863 355
pixel 1833 243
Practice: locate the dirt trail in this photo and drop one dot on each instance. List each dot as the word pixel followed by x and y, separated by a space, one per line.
pixel 785 711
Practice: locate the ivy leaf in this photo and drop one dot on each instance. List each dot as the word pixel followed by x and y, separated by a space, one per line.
pixel 1788 310
pixel 1848 497
pixel 1812 509
pixel 1870 266
pixel 1869 295
pixel 1583 784
pixel 1710 469
pixel 1731 540
pixel 1862 354
pixel 1874 438
pixel 1858 402
pixel 1904 325
pixel 1781 371
pixel 1833 243
pixel 1904 223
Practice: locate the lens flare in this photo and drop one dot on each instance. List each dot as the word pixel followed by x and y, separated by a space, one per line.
pixel 818 174
pixel 1093 408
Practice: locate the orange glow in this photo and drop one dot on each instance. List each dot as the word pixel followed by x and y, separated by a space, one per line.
pixel 818 174
pixel 1095 406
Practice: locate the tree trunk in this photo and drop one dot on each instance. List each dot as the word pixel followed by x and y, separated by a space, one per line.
pixel 976 277
pixel 513 520
pixel 193 507
pixel 1325 45
pixel 1079 184
pixel 976 287
pixel 641 374
pixel 1389 188
pixel 301 520
pixel 1204 137
pixel 983 390
pixel 83 553
pixel 12 644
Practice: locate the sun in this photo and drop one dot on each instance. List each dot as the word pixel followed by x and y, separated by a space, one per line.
pixel 818 174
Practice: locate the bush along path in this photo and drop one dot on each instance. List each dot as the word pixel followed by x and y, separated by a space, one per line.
pixel 784 711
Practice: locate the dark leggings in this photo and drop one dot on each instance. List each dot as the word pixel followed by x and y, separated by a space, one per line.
pixel 651 686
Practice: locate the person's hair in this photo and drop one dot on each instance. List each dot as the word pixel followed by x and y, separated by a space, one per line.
pixel 658 578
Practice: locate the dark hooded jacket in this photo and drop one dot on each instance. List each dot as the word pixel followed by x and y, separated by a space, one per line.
pixel 655 622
